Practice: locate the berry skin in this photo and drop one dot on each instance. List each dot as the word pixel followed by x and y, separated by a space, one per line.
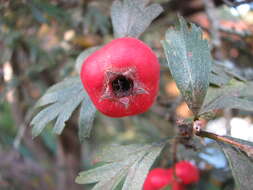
pixel 156 179
pixel 187 172
pixel 160 178
pixel 122 78
pixel 175 184
pixel 178 186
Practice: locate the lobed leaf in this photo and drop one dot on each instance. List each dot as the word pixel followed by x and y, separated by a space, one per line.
pixel 59 102
pixel 241 164
pixel 40 121
pixel 189 61
pixel 132 164
pixel 86 118
pixel 139 170
pixel 68 108
pixel 236 94
pixel 66 83
pixel 132 17
pixel 59 92
pixel 110 153
pixel 222 75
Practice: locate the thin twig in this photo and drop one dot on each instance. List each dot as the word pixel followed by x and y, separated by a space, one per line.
pixel 247 149
pixel 21 130
pixel 174 157
pixel 236 3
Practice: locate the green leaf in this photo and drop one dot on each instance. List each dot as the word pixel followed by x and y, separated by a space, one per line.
pixel 221 75
pixel 241 164
pixel 236 94
pixel 39 8
pixel 132 17
pixel 130 162
pixel 110 153
pixel 84 55
pixel 86 118
pixel 189 60
pixel 59 102
pixel 139 170
pixel 96 20
pixel 61 92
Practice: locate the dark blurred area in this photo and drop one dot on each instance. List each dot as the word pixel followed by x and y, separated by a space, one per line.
pixel 39 42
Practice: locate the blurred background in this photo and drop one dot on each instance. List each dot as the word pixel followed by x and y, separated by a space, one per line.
pixel 39 42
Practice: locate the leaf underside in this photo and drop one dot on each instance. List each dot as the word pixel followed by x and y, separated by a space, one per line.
pixel 132 164
pixel 189 60
pixel 222 75
pixel 86 118
pixel 240 163
pixel 58 104
pixel 236 94
pixel 131 17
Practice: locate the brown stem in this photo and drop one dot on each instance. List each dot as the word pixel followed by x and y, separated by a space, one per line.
pixel 215 137
pixel 247 149
pixel 174 156
pixel 174 150
pixel 236 3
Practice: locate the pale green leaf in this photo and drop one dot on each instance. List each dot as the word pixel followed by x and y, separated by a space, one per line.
pixel 132 17
pixel 138 172
pixel 110 153
pixel 190 61
pixel 58 103
pixel 222 75
pixel 130 162
pixel 46 115
pixel 236 94
pixel 86 118
pixel 62 94
pixel 68 108
pixel 240 163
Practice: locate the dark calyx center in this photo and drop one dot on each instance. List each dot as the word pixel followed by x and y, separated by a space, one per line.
pixel 122 86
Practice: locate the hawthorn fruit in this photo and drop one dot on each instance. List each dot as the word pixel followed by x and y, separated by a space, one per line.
pixel 160 178
pixel 122 78
pixel 187 172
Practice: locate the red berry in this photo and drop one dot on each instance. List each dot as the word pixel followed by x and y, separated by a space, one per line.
pixel 160 178
pixel 174 183
pixel 156 179
pixel 187 172
pixel 122 78
pixel 178 186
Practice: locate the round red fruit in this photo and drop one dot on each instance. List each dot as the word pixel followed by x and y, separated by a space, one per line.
pixel 160 178
pixel 175 184
pixel 187 172
pixel 122 78
pixel 157 179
